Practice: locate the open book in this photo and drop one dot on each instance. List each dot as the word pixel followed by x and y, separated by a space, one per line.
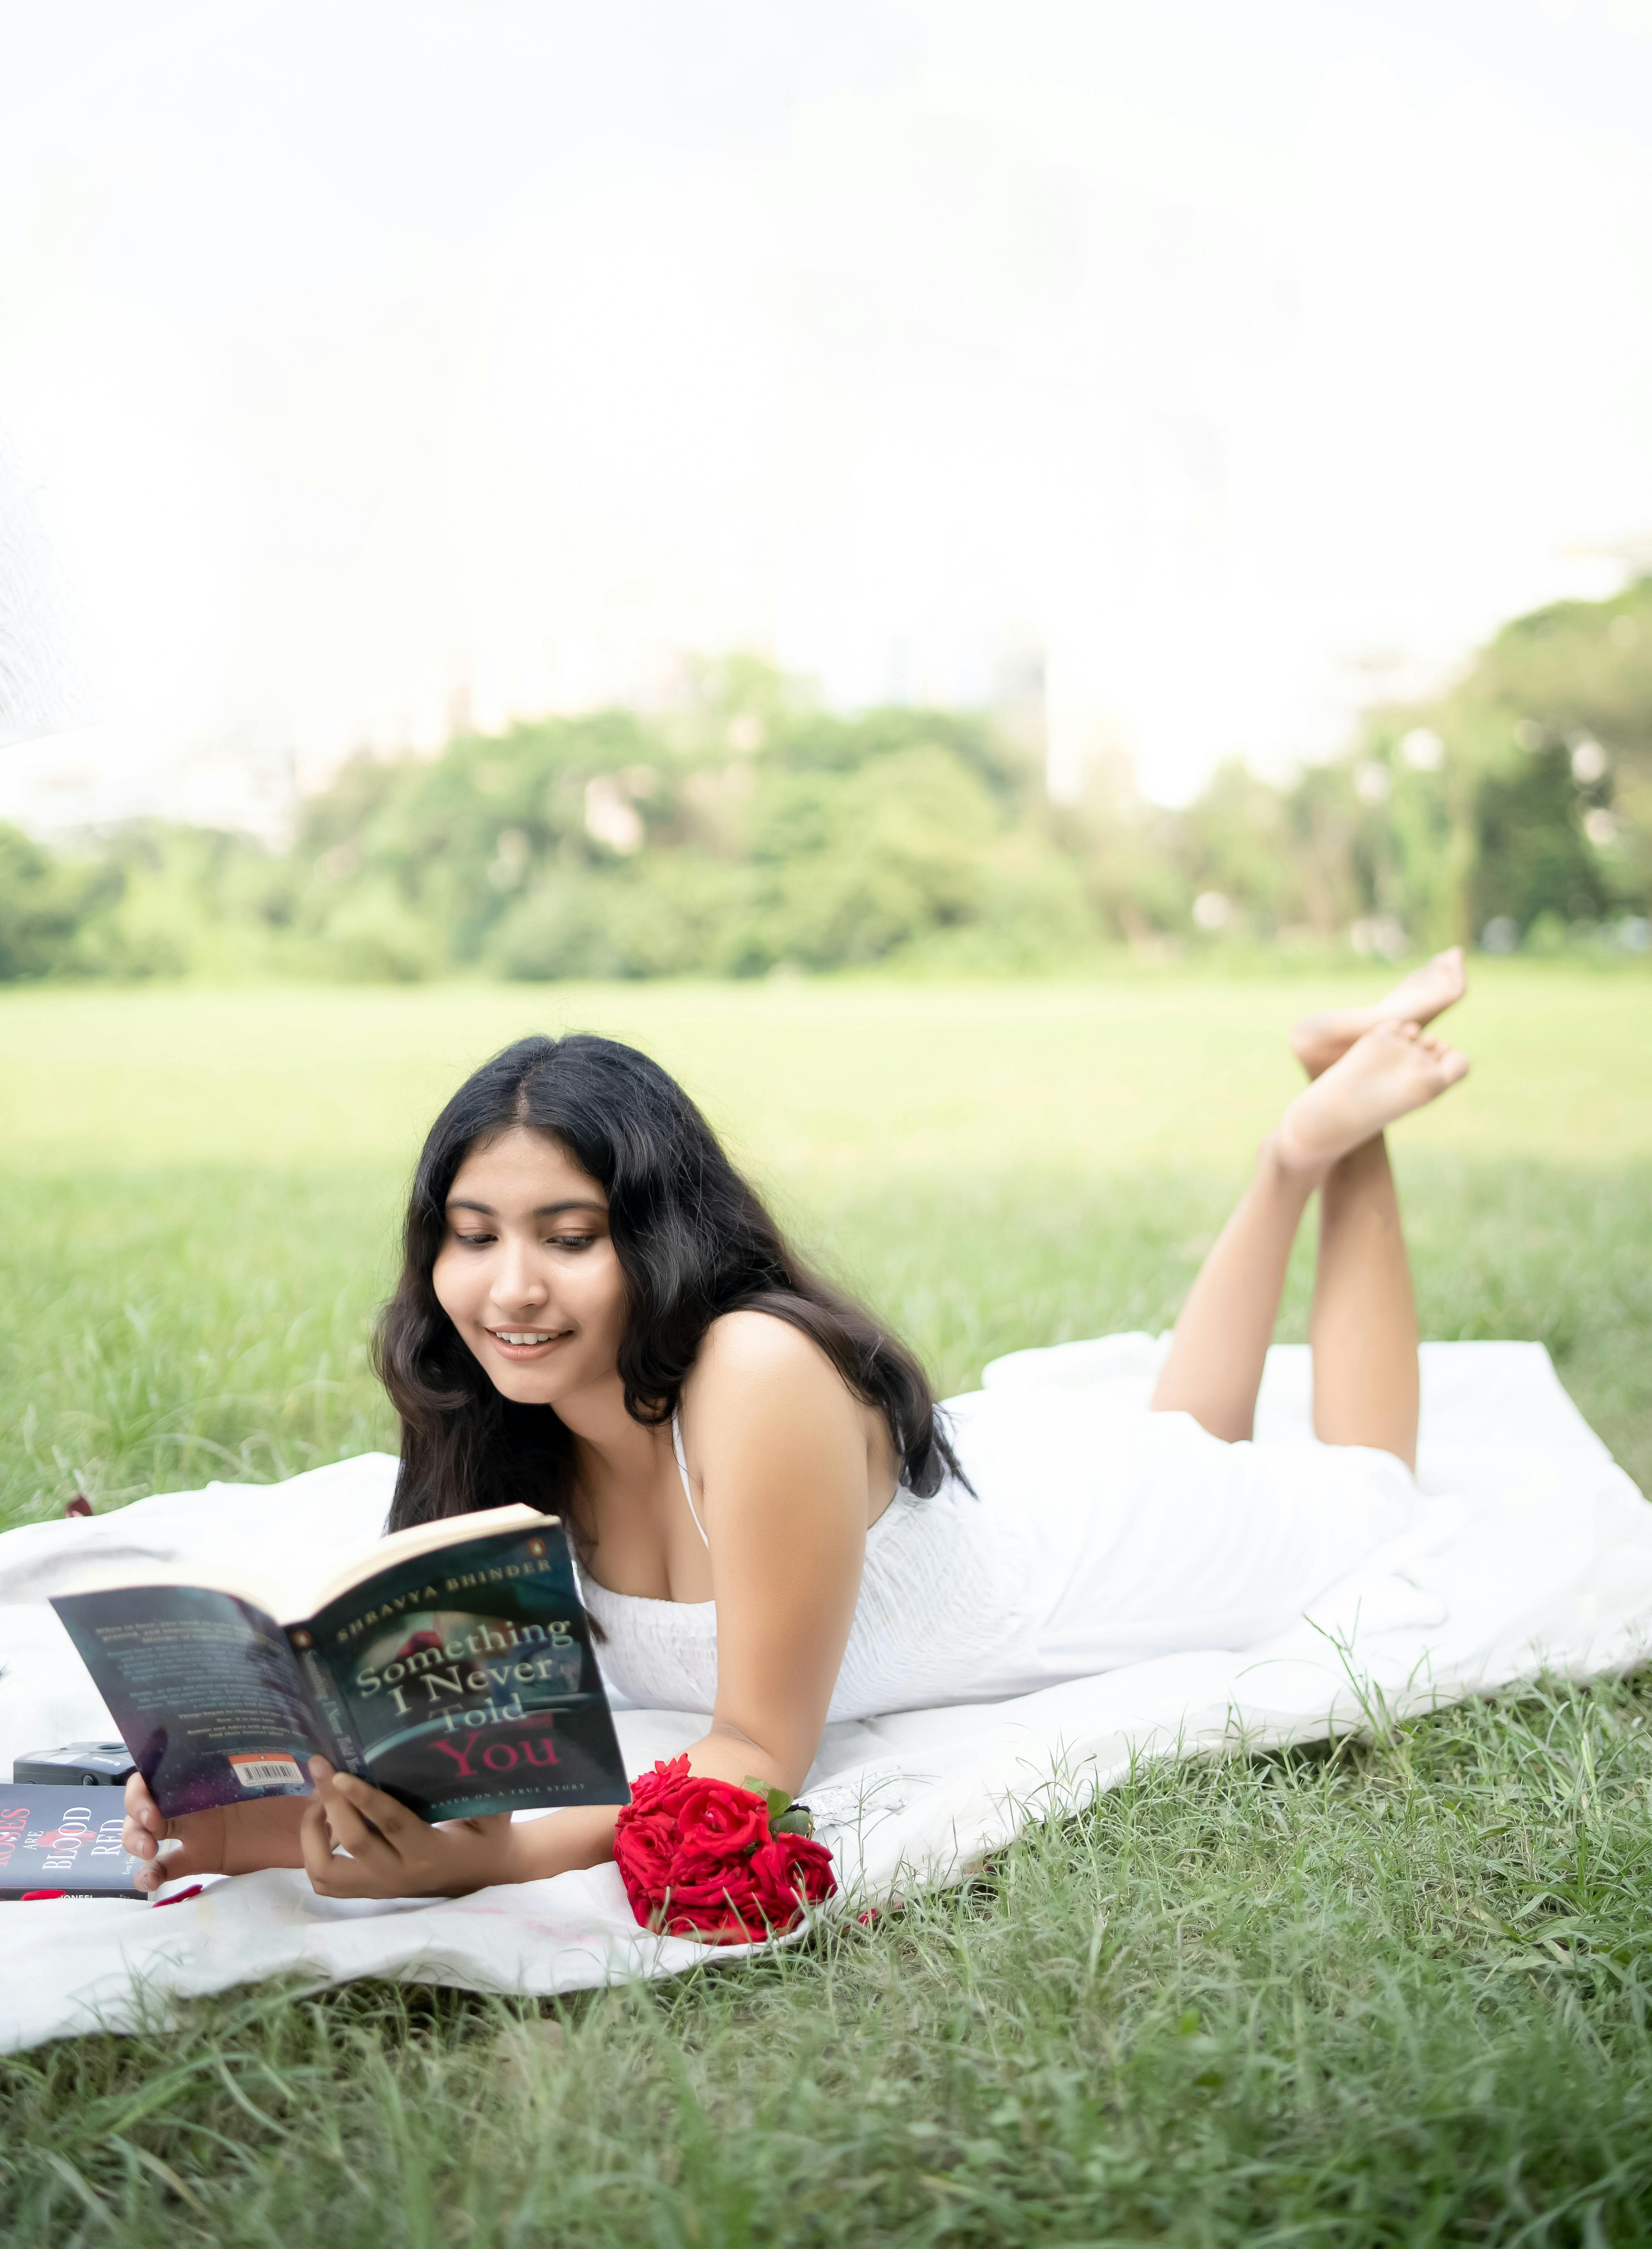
pixel 451 1666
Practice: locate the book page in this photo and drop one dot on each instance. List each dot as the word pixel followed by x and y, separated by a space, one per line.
pixel 399 1546
pixel 280 1586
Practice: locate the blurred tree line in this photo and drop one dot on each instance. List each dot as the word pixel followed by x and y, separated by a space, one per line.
pixel 752 831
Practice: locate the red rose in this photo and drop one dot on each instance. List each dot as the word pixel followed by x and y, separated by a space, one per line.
pixel 714 1822
pixel 698 1859
pixel 646 1845
pixel 646 1834
pixel 659 1790
pixel 785 1868
pixel 724 1907
pixel 643 1853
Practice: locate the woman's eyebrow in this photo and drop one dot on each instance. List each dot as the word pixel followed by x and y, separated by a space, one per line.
pixel 545 1209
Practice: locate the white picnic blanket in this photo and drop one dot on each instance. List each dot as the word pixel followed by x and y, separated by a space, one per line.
pixel 1535 1553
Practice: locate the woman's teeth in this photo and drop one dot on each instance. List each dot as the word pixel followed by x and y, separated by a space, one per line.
pixel 523 1336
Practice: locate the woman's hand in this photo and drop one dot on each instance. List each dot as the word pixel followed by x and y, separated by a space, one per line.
pixel 392 1851
pixel 233 1838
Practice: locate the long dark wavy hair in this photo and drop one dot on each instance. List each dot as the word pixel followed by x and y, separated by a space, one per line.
pixel 693 1241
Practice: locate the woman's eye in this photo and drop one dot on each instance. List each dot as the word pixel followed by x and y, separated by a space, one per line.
pixel 572 1240
pixel 474 1241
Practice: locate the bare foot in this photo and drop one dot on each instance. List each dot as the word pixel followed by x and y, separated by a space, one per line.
pixel 1391 1071
pixel 1318 1041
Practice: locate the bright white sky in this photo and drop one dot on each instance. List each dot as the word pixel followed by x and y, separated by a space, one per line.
pixel 361 357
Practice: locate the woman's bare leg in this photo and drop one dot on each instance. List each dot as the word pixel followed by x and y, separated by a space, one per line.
pixel 1363 1327
pixel 1220 1344
pixel 1215 1365
pixel 1364 1323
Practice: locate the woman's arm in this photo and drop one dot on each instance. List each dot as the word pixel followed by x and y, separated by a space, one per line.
pixel 235 1838
pixel 781 1447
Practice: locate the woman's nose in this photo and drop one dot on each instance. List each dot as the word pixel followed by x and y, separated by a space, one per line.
pixel 519 1278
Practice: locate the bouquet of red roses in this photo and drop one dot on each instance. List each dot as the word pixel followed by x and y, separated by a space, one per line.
pixel 702 1858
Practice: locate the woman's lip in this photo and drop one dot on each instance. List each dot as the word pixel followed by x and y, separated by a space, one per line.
pixel 523 1351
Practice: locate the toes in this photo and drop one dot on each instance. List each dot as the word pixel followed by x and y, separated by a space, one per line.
pixel 1446 1060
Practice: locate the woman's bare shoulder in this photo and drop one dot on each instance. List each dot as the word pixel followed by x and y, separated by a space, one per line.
pixel 765 1397
pixel 746 1346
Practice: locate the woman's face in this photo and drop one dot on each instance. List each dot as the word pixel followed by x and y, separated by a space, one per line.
pixel 526 1270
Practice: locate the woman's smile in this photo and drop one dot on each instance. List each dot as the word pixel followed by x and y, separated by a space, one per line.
pixel 527 1343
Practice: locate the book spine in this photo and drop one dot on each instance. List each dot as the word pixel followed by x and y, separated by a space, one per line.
pixel 44 1894
pixel 343 1749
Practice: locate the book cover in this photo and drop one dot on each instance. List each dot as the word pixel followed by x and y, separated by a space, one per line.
pixel 464 1681
pixel 452 1668
pixel 66 1840
pixel 203 1690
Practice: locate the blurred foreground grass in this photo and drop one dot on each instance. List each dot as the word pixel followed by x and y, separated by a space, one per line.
pixel 1396 1993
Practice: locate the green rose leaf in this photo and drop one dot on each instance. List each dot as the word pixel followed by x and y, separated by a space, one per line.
pixel 776 1799
pixel 785 1818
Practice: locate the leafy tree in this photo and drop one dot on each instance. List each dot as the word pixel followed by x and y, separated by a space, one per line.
pixel 42 904
pixel 746 827
pixel 1532 856
pixel 1542 806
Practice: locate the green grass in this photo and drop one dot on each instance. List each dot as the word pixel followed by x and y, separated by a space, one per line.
pixel 1393 1994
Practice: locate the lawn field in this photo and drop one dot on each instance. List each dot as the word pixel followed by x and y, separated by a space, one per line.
pixel 1394 1994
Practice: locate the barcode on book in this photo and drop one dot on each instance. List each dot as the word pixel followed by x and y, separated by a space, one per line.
pixel 266 1772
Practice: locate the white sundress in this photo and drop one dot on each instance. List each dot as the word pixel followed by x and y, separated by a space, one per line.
pixel 1099 1534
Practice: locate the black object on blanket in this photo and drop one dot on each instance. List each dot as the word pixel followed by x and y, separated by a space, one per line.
pixel 78 1764
pixel 62 1842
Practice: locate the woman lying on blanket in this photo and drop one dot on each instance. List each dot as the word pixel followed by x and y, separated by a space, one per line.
pixel 776 1526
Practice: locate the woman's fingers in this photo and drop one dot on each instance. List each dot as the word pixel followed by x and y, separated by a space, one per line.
pixel 152 1841
pixel 392 1820
pixel 163 1858
pixel 139 1803
pixel 137 1841
pixel 349 1830
pixel 191 1843
pixel 347 1814
pixel 362 1874
pixel 360 1805
pixel 315 1840
pixel 142 1826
